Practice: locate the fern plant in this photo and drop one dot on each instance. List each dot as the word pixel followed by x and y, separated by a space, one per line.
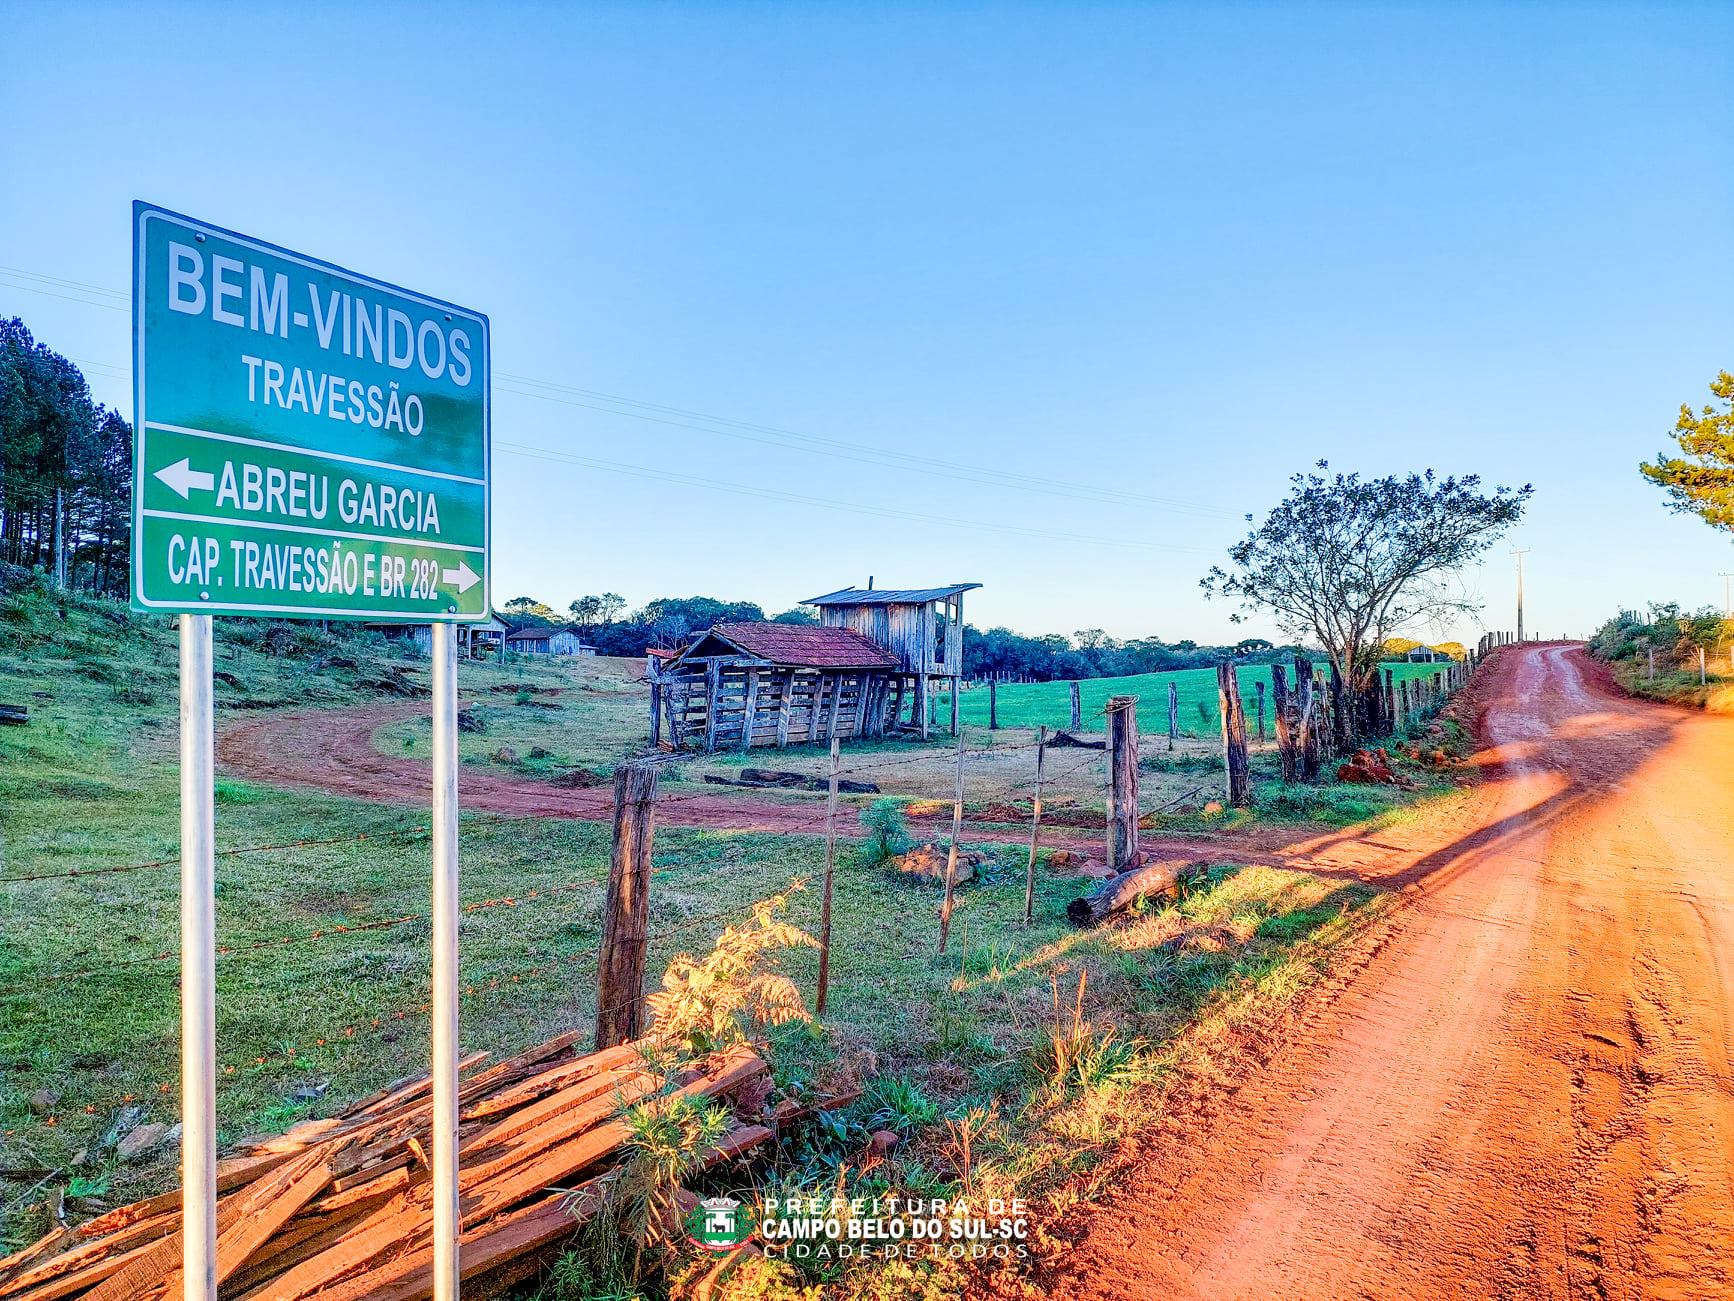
pixel 738 989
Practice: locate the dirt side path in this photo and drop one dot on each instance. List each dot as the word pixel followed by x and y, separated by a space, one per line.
pixel 333 751
pixel 1529 1089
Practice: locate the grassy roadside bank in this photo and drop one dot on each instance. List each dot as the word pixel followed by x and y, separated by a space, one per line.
pixel 982 1062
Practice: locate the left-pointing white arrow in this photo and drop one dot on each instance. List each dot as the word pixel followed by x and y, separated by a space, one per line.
pixel 463 577
pixel 183 478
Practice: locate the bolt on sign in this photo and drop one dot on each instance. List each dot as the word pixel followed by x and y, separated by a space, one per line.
pixel 309 442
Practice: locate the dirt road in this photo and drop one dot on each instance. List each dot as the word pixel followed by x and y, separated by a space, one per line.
pixel 333 751
pixel 1528 1090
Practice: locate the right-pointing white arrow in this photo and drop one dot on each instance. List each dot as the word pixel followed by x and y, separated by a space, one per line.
pixel 463 577
pixel 183 478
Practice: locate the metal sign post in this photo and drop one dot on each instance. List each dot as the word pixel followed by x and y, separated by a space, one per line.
pixel 307 443
pixel 445 961
pixel 198 965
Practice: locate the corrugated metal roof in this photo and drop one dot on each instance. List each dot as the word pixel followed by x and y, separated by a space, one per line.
pixel 804 646
pixel 890 595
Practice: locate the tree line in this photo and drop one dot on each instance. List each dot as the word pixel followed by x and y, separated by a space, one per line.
pixel 65 469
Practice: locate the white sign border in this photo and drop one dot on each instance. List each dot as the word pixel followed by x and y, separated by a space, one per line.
pixel 142 213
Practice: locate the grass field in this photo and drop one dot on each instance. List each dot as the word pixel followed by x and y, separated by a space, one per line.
pixel 1035 704
pixel 318 1005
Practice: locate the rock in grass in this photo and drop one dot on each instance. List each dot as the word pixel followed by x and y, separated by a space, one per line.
pixel 44 1101
pixel 929 862
pixel 141 1141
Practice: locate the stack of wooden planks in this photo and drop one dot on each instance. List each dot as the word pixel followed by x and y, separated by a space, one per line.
pixel 341 1208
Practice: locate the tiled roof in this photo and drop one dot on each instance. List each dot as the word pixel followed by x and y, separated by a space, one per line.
pixel 807 647
pixel 890 595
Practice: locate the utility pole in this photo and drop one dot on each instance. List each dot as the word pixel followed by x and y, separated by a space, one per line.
pixel 1520 555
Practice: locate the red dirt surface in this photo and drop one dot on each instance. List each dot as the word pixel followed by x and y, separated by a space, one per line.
pixel 1526 1090
pixel 333 751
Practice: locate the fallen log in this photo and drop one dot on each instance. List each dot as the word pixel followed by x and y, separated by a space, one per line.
pixel 1065 739
pixel 800 783
pixel 1127 888
pixel 14 715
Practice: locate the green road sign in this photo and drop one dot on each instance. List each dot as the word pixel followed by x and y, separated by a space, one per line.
pixel 308 442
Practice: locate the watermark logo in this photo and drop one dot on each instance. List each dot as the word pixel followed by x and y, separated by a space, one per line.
pixel 718 1224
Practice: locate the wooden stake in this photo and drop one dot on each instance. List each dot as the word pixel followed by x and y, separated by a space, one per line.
pixel 1122 847
pixel 1035 826
pixel 992 706
pixel 1173 714
pixel 1258 691
pixel 1280 709
pixel 830 871
pixel 1077 710
pixel 626 916
pixel 951 858
pixel 1306 720
pixel 1233 734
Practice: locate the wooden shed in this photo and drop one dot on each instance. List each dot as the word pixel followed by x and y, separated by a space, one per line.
pixel 758 684
pixel 868 670
pixel 922 627
pixel 548 641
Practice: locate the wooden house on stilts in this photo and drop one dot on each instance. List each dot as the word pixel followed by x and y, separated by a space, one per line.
pixel 870 669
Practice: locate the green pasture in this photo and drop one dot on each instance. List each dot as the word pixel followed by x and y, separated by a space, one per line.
pixel 1033 704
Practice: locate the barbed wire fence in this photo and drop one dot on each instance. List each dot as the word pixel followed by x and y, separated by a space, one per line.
pixel 998 798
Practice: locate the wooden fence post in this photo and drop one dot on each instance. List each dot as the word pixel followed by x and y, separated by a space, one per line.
pixel 656 712
pixel 1173 713
pixel 1342 718
pixel 1035 826
pixel 1391 716
pixel 992 706
pixel 951 857
pixel 1077 710
pixel 1122 846
pixel 626 916
pixel 1258 691
pixel 1233 733
pixel 750 713
pixel 712 694
pixel 830 871
pixel 1306 716
pixel 1280 712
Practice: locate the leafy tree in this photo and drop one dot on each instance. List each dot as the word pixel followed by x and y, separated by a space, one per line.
pixel 59 450
pixel 609 605
pixel 586 611
pixel 798 615
pixel 701 611
pixel 1701 480
pixel 528 610
pixel 1345 561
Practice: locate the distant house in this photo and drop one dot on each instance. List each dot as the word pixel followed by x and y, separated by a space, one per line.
pixel 868 669
pixel 548 641
pixel 1426 655
pixel 474 639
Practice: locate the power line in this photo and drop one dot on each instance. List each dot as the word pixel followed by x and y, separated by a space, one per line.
pixel 850 450
pixel 826 503
pixel 724 426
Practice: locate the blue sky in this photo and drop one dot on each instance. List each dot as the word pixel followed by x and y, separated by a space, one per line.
pixel 1045 298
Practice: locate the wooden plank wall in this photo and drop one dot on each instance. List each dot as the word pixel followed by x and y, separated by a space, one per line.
pixel 788 706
